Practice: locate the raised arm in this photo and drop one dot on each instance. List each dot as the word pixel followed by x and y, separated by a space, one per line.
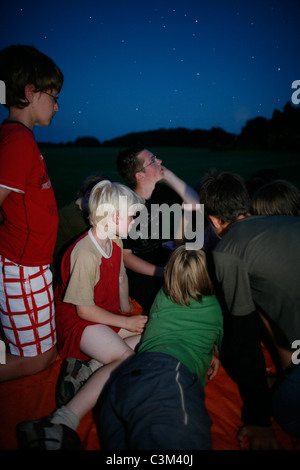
pixel 187 194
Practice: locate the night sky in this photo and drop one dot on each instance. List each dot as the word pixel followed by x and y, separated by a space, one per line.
pixel 142 65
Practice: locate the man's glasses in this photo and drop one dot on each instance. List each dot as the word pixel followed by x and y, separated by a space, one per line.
pixel 153 160
pixel 55 98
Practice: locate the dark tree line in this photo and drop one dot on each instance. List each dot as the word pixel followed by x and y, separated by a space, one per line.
pixel 281 132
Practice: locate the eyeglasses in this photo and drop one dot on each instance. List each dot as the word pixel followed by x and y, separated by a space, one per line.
pixel 153 160
pixel 55 98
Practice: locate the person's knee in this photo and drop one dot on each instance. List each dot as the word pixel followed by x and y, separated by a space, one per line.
pixel 41 362
pixel 126 354
pixel 18 367
pixel 50 357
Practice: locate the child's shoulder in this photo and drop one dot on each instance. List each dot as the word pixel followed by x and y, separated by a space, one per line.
pixel 15 128
pixel 14 132
pixel 83 246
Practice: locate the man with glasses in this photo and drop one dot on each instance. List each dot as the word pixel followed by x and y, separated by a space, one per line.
pixel 145 257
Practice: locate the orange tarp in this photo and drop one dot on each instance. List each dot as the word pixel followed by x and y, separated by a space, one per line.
pixel 34 397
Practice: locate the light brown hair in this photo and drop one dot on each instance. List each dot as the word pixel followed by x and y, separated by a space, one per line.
pixel 186 276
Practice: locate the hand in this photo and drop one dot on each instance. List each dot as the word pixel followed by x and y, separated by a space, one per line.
pixel 214 367
pixel 259 438
pixel 136 323
pixel 167 175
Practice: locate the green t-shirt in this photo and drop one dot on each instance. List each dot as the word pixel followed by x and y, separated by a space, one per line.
pixel 187 333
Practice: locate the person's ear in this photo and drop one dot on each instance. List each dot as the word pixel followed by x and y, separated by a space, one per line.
pixel 29 91
pixel 140 176
pixel 217 224
pixel 116 217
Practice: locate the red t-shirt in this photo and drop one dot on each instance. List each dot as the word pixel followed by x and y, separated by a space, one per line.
pixel 28 233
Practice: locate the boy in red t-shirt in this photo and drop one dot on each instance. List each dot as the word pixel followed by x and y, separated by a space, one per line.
pixel 28 213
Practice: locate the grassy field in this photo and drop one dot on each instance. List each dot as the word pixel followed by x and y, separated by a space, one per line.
pixel 68 166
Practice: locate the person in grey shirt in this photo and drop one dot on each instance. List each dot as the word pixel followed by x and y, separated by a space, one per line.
pixel 257 264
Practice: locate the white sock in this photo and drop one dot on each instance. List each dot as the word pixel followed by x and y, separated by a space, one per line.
pixel 65 416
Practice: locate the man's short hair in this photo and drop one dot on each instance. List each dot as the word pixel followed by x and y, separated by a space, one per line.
pixel 22 65
pixel 128 164
pixel 224 196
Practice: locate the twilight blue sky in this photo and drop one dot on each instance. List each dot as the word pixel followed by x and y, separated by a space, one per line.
pixel 132 65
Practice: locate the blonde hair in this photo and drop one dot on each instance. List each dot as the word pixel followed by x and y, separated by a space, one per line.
pixel 186 276
pixel 109 196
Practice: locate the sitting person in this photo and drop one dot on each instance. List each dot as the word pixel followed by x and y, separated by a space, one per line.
pixel 155 401
pixel 145 257
pixel 280 197
pixel 92 295
pixel 73 220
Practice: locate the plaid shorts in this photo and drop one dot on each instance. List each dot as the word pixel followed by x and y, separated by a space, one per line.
pixel 27 308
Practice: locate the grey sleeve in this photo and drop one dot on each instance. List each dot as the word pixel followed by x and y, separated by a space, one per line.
pixel 233 276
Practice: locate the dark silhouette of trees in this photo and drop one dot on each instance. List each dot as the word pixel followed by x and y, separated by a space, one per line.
pixel 281 132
